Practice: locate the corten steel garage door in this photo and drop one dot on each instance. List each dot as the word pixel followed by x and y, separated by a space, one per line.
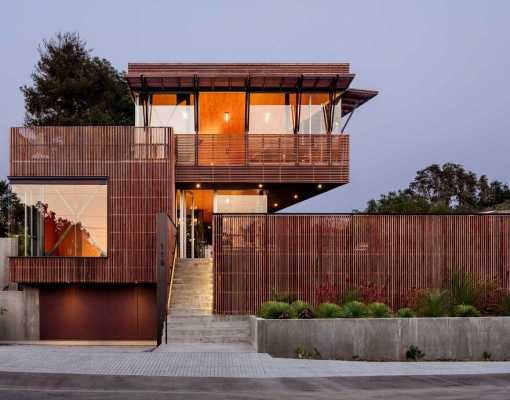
pixel 98 312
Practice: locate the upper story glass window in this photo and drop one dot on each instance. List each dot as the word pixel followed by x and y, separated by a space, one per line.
pixel 61 219
pixel 176 110
pixel 314 113
pixel 337 115
pixel 272 112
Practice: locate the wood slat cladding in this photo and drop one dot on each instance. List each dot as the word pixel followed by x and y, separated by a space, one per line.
pixel 254 254
pixel 256 158
pixel 140 167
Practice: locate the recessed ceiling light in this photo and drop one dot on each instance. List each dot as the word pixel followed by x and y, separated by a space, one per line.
pixel 261 185
pixel 198 185
pixel 295 196
pixel 275 205
pixel 319 186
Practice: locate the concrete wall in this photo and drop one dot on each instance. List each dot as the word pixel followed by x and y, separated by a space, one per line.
pixel 386 339
pixel 20 320
pixel 8 247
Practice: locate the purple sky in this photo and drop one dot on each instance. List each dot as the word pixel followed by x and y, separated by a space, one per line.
pixel 442 69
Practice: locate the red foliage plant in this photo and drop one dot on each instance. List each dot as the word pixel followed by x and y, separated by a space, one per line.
pixel 327 292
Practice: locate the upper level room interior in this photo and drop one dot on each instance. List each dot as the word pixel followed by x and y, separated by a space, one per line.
pixel 245 98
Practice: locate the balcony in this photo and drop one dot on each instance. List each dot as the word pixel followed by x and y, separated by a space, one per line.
pixel 205 158
pixel 278 158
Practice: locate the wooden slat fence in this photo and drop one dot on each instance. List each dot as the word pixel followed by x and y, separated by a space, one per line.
pixel 255 254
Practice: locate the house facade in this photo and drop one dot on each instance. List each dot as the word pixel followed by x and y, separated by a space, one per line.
pixel 208 139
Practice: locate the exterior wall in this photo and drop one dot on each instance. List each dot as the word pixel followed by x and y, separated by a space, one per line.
pixel 385 339
pixel 139 166
pixel 20 319
pixel 8 247
pixel 257 254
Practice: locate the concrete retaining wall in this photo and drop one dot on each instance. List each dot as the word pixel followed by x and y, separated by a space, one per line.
pixel 20 320
pixel 8 247
pixel 385 339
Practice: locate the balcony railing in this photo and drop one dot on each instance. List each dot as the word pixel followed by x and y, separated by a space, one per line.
pixel 261 149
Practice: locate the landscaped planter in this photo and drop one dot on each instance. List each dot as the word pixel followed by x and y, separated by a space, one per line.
pixel 385 338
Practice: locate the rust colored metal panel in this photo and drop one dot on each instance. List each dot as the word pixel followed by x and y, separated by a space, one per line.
pixel 256 158
pixel 98 312
pixel 255 254
pixel 139 164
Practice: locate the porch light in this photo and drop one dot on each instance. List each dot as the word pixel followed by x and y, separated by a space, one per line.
pixel 198 185
pixel 226 116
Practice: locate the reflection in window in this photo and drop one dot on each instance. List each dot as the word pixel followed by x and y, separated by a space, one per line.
pixel 66 220
pixel 272 112
pixel 176 110
pixel 314 113
pixel 337 115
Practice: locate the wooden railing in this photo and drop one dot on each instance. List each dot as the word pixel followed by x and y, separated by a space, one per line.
pixel 261 149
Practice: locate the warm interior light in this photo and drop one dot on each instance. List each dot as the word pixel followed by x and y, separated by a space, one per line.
pixel 197 185
pixel 184 115
pixel 226 116
pixel 227 200
pixel 267 117
pixel 296 196
pixel 275 205
pixel 261 185
pixel 319 186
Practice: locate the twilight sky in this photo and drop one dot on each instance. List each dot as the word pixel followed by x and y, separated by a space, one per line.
pixel 442 69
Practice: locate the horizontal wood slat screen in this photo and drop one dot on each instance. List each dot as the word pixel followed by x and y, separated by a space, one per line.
pixel 262 158
pixel 254 254
pixel 140 166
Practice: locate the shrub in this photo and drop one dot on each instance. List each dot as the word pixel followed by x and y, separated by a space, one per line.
pixel 283 297
pixel 351 294
pixel 327 292
pixel 354 309
pixel 463 288
pixel 328 310
pixel 379 310
pixel 505 305
pixel 433 303
pixel 302 353
pixel 465 310
pixel 406 312
pixel 303 310
pixel 372 292
pixel 414 353
pixel 276 310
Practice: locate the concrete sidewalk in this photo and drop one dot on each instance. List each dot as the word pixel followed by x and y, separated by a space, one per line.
pixel 214 362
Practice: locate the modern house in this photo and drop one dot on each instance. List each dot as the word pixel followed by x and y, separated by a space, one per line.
pixel 208 139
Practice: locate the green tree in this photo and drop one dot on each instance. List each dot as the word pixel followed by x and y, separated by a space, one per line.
pixel 444 189
pixel 71 87
pixel 11 210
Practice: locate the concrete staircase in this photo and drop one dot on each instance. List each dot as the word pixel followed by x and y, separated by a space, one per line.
pixel 190 318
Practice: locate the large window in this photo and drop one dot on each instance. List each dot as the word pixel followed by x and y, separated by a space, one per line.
pixel 272 112
pixel 176 110
pixel 314 113
pixel 66 219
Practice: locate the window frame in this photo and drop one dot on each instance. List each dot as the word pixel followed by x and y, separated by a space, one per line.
pixel 68 180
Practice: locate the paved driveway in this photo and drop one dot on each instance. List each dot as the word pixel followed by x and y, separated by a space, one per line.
pixel 199 361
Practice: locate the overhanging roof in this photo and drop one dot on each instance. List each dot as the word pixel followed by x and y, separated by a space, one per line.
pixel 242 76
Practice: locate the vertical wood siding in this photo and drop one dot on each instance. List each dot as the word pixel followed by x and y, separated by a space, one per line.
pixel 254 254
pixel 140 168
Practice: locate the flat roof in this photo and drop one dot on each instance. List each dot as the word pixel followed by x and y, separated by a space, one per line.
pixel 155 77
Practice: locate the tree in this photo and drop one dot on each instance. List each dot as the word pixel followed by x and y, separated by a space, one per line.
pixel 444 189
pixel 11 210
pixel 71 87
